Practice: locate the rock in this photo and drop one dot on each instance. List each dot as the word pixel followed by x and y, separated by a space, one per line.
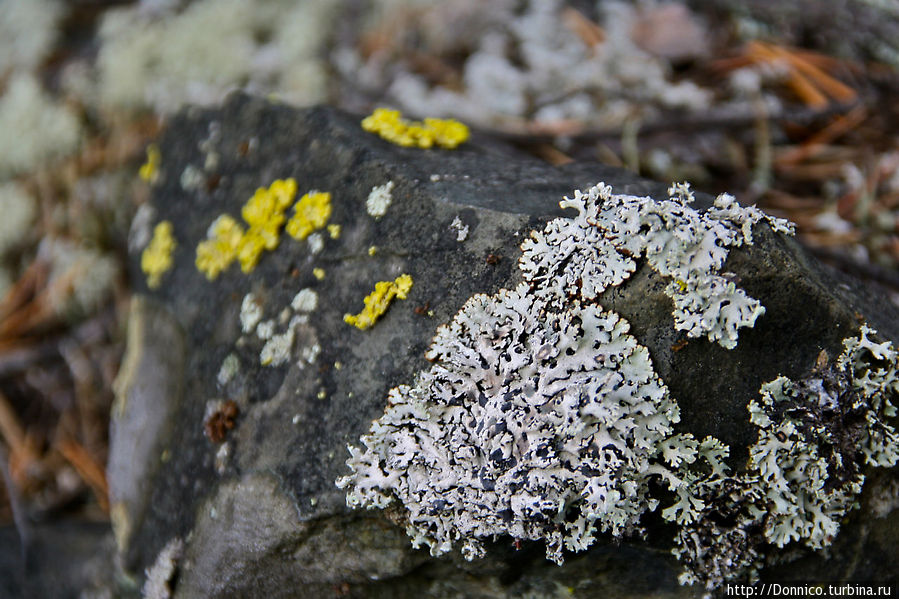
pixel 238 460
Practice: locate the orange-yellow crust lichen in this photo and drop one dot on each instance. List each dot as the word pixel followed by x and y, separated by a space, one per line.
pixel 264 214
pixel 311 213
pixel 149 171
pixel 156 258
pixel 377 302
pixel 389 124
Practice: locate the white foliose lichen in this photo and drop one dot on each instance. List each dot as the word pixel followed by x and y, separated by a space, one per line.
pixel 536 423
pixel 805 468
pixel 161 574
pixel 379 200
pixel 460 228
pixel 542 417
pixel 250 312
pixel 599 247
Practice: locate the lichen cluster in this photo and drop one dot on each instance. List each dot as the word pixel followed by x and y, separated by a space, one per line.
pixel 804 473
pixel 264 214
pixel 156 259
pixel 598 249
pixel 390 125
pixel 377 302
pixel 149 170
pixel 542 417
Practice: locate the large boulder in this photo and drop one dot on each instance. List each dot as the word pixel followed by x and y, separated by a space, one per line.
pixel 239 395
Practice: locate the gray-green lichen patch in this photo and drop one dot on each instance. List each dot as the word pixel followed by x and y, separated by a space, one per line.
pixel 805 471
pixel 543 418
pixel 598 248
pixel 534 423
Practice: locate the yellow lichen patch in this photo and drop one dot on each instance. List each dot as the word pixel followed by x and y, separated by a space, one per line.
pixel 390 125
pixel 216 253
pixel 264 213
pixel 311 213
pixel 156 258
pixel 318 273
pixel 149 171
pixel 377 301
pixel 334 231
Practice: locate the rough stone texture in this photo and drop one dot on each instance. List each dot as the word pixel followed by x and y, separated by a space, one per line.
pixel 269 521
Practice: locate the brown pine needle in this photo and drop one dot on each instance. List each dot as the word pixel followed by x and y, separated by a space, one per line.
pixel 839 127
pixel 90 471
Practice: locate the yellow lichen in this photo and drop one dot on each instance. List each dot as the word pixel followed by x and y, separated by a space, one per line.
pixel 156 258
pixel 372 250
pixel 264 214
pixel 318 273
pixel 216 253
pixel 377 302
pixel 149 171
pixel 334 231
pixel 389 124
pixel 311 213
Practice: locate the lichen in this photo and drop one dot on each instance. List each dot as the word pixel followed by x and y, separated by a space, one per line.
pixel 149 170
pixel 804 473
pixel 156 258
pixel 390 125
pixel 600 246
pixel 250 313
pixel 305 301
pixel 542 418
pixel 536 423
pixel 311 213
pixel 216 253
pixel 379 199
pixel 264 213
pixel 460 228
pixel 227 240
pixel 377 302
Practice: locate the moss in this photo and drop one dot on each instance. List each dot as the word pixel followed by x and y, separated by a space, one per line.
pixel 377 302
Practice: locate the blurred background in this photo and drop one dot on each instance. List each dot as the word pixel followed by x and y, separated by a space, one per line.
pixel 790 105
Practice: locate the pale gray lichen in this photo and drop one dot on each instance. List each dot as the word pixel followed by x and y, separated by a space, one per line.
pixel 250 312
pixel 598 249
pixel 533 422
pixel 460 228
pixel 161 574
pixel 542 417
pixel 805 467
pixel 379 200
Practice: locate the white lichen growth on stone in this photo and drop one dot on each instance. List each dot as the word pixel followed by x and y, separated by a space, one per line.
pixel 161 574
pixel 265 329
pixel 805 468
pixel 276 350
pixel 250 313
pixel 599 248
pixel 542 418
pixel 316 243
pixel 230 367
pixel 305 301
pixel 536 423
pixel 460 228
pixel 379 200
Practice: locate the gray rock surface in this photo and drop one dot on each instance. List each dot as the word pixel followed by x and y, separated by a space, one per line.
pixel 259 514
